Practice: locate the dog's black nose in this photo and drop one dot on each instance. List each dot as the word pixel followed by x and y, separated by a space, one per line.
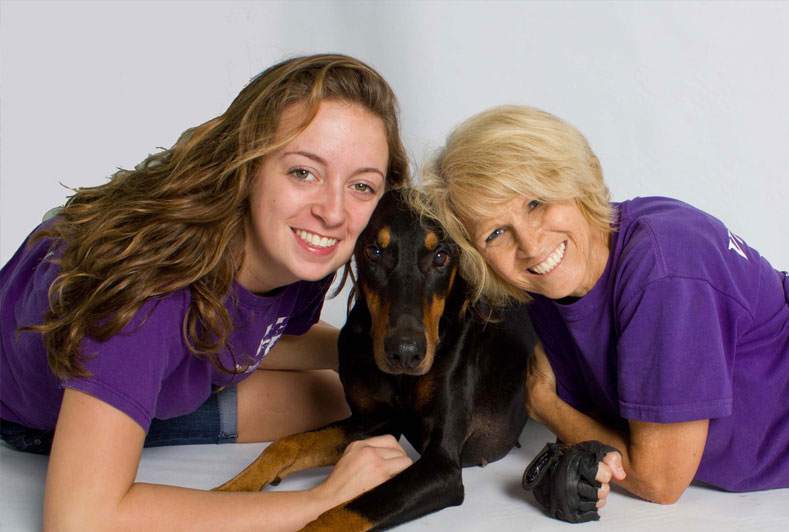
pixel 405 351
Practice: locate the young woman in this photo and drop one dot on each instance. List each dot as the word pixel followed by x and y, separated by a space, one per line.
pixel 153 304
pixel 662 333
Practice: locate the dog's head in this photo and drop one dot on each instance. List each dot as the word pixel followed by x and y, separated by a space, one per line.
pixel 406 268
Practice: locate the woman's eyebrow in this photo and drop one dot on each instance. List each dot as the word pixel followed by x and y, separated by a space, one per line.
pixel 484 231
pixel 320 160
pixel 308 155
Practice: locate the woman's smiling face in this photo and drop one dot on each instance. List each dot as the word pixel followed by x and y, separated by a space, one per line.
pixel 544 248
pixel 313 197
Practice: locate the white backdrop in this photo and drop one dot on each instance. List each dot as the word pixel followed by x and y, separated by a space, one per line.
pixel 683 99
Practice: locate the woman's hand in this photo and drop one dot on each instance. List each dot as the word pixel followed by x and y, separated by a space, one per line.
pixel 364 465
pixel 610 469
pixel 540 383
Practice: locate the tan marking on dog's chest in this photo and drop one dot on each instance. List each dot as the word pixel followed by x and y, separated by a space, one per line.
pixel 360 398
pixel 425 389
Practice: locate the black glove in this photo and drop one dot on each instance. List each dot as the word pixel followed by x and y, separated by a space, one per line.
pixel 563 479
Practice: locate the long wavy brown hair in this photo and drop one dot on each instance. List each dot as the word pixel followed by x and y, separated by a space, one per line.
pixel 178 220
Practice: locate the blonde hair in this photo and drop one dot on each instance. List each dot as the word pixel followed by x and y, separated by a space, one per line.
pixel 178 219
pixel 499 154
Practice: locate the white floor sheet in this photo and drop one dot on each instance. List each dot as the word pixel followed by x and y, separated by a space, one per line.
pixel 494 501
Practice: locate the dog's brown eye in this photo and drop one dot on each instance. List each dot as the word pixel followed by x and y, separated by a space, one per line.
pixel 372 253
pixel 440 259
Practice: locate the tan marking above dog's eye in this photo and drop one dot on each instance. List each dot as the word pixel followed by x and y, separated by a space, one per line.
pixel 384 237
pixel 431 240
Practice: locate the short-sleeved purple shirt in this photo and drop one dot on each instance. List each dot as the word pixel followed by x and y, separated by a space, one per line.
pixel 687 322
pixel 146 370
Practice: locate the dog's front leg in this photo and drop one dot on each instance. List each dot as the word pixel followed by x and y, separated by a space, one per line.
pixel 430 484
pixel 316 448
pixel 287 455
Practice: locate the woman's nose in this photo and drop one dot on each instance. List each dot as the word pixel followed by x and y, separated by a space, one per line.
pixel 329 206
pixel 526 242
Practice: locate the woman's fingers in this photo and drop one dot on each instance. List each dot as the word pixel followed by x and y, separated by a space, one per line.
pixel 608 470
pixel 364 465
pixel 614 462
pixel 385 441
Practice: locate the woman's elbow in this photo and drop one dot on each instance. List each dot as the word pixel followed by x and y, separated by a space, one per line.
pixel 662 491
pixel 74 518
pixel 65 522
pixel 667 498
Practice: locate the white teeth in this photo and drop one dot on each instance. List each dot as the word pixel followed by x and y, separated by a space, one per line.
pixel 551 262
pixel 316 240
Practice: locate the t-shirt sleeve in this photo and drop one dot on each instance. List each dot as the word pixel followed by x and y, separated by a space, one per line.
pixel 309 303
pixel 127 370
pixel 676 351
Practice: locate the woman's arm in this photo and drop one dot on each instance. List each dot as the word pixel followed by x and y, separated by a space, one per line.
pixel 315 349
pixel 660 459
pixel 95 454
pixel 296 388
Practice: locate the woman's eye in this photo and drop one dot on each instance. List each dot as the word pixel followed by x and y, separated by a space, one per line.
pixel 373 253
pixel 440 259
pixel 364 187
pixel 533 204
pixel 302 174
pixel 495 234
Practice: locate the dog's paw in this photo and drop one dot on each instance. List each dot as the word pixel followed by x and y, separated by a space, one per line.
pixel 245 482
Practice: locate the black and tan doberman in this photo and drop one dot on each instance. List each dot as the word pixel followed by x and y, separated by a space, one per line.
pixel 414 361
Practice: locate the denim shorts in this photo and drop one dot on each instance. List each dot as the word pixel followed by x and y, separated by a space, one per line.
pixel 215 421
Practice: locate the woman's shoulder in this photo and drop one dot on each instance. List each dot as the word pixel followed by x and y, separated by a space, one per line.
pixel 660 238
pixel 31 269
pixel 661 215
pixel 675 233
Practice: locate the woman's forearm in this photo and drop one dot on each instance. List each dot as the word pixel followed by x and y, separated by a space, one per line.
pixel 571 426
pixel 151 507
pixel 315 349
pixel 660 460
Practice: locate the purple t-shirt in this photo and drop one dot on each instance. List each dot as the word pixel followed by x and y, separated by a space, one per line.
pixel 146 370
pixel 687 322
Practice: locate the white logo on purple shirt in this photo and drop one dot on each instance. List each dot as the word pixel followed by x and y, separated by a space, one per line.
pixel 270 337
pixel 736 243
pixel 273 332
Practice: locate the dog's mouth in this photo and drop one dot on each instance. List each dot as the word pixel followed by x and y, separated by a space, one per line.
pixel 387 365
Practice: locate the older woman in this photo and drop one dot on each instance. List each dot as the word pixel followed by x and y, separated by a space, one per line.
pixel 662 333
